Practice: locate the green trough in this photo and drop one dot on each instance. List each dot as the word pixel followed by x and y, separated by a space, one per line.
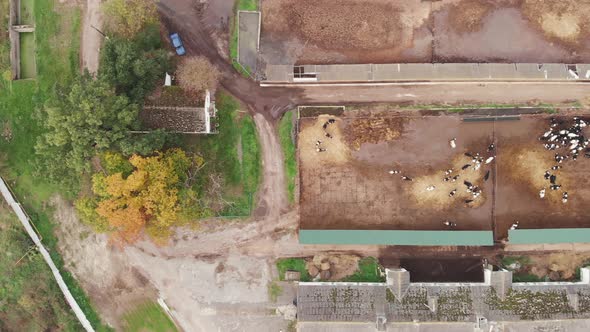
pixel 397 237
pixel 549 236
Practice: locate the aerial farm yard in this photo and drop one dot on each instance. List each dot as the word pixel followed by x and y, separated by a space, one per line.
pixel 354 179
pixel 382 31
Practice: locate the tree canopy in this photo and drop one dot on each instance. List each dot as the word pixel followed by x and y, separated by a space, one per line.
pixel 154 196
pixel 196 74
pixel 127 17
pixel 134 66
pixel 88 118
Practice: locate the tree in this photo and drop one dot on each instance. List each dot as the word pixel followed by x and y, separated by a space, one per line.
pixel 85 120
pixel 196 74
pixel 127 17
pixel 86 209
pixel 152 197
pixel 145 143
pixel 134 66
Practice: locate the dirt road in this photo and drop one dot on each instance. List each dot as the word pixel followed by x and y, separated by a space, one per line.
pixel 272 195
pixel 91 39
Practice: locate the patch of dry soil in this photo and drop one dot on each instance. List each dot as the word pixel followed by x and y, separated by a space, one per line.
pixel 566 20
pixel 336 150
pixel 468 15
pixel 114 286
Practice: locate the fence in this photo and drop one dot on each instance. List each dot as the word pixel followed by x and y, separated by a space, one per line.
pixel 24 219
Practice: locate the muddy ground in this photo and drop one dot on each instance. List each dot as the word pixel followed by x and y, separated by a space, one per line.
pixel 382 31
pixel 349 185
pixel 444 270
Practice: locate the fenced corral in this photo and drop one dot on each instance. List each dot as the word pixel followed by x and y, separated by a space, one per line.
pixel 400 172
pixel 22 43
pixel 296 32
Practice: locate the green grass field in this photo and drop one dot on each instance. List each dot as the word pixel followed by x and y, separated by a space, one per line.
pixel 148 317
pixel 241 179
pixel 286 137
pixel 28 68
pixel 251 5
pixel 57 44
pixel 27 305
pixel 4 41
pixel 368 271
pixel 292 264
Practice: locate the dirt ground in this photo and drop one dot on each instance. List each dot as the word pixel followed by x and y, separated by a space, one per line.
pixel 114 286
pixel 380 31
pixel 358 191
pixel 555 266
pixel 444 270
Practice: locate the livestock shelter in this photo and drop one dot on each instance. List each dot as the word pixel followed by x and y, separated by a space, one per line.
pixel 376 306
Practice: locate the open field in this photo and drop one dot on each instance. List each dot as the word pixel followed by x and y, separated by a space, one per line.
pixel 4 41
pixel 26 305
pixel 56 42
pixel 349 185
pixel 381 31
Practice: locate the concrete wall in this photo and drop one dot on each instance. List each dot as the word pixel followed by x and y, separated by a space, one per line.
pixel 432 72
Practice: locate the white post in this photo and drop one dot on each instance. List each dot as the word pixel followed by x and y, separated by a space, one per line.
pixel 207 114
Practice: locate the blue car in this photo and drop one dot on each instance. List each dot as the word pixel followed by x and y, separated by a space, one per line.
pixel 177 44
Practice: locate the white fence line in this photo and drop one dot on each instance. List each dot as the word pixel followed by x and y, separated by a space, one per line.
pixel 60 282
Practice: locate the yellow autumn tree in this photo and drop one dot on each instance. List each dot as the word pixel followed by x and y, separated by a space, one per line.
pixel 146 199
pixel 128 17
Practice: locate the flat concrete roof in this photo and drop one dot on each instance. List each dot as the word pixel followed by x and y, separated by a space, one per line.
pixel 430 72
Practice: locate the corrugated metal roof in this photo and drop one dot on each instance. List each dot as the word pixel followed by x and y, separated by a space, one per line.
pixel 397 237
pixel 549 235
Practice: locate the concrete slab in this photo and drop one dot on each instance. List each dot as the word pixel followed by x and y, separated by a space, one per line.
pixel 248 39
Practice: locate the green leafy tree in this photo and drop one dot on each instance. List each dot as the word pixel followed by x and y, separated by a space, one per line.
pixel 145 143
pixel 115 163
pixel 87 119
pixel 86 208
pixel 134 66
pixel 127 17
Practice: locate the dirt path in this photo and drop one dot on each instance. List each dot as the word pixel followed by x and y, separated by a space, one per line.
pixel 113 284
pixel 272 196
pixel 91 39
